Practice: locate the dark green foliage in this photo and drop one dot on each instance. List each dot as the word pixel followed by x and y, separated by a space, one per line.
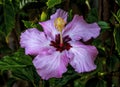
pixel 7 17
pixel 117 39
pixel 20 65
pixel 95 82
pixel 92 16
pixel 15 61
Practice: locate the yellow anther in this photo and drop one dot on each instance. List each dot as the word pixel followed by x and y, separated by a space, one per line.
pixel 59 24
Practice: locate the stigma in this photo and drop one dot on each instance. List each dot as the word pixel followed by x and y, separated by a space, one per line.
pixel 59 24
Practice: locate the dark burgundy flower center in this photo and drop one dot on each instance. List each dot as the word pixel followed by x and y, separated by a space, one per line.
pixel 61 47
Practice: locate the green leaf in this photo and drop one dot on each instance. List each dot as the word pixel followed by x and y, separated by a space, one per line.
pixel 70 15
pixel 8 10
pixel 104 25
pixel 52 3
pixel 117 16
pixel 30 24
pixel 7 17
pixel 21 67
pixel 17 60
pixel 92 16
pixel 117 39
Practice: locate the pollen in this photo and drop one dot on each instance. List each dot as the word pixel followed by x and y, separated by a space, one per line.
pixel 59 24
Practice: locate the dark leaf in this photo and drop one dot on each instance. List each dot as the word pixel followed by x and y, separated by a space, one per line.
pixel 92 16
pixel 117 39
pixel 7 17
pixel 20 65
pixel 95 82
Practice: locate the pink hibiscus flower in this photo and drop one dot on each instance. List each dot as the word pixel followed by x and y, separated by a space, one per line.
pixel 59 45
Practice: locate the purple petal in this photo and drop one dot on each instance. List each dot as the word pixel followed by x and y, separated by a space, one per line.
pixel 84 56
pixel 52 65
pixel 78 29
pixel 34 41
pixel 49 27
pixel 60 13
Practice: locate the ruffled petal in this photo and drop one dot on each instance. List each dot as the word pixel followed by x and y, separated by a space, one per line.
pixel 52 65
pixel 49 27
pixel 60 13
pixel 34 42
pixel 78 29
pixel 84 56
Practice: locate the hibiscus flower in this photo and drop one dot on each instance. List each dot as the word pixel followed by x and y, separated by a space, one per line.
pixel 59 45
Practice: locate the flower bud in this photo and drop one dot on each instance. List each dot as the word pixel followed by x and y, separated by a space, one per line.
pixel 43 16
